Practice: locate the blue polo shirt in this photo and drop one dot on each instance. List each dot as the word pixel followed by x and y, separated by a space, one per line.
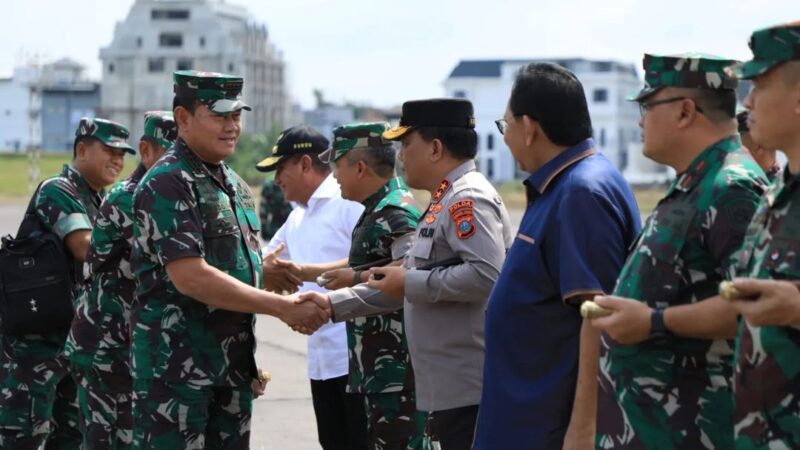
pixel 580 220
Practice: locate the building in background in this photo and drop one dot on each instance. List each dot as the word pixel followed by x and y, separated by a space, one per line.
pixel 64 96
pixel 161 36
pixel 487 84
pixel 18 127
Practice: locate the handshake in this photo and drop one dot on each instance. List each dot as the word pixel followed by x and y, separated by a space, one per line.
pixel 306 312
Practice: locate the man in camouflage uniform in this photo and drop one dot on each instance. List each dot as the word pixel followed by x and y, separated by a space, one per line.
pixel 273 209
pixel 766 158
pixel 98 345
pixel 666 356
pixel 767 378
pixel 197 265
pixel 380 367
pixel 37 394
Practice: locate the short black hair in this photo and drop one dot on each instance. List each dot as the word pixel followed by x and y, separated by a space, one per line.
pixel 718 105
pixel 462 143
pixel 189 104
pixel 380 159
pixel 86 141
pixel 554 97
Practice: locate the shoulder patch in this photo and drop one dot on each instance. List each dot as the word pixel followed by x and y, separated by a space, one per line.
pixel 463 216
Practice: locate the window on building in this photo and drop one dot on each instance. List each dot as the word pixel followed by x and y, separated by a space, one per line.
pixel 460 94
pixel 490 169
pixel 139 42
pixel 169 14
pixel 170 40
pixel 202 41
pixel 602 66
pixel 600 95
pixel 490 141
pixel 111 68
pixel 230 67
pixel 155 65
pixel 185 64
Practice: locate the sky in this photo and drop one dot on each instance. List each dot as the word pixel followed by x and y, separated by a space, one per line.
pixel 382 53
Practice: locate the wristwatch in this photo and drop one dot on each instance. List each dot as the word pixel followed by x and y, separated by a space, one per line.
pixel 658 330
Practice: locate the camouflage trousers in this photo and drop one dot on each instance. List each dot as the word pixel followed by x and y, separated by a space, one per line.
pixel 37 397
pixel 171 415
pixel 393 422
pixel 105 400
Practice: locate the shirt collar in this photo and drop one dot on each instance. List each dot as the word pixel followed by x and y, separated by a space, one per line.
pixel 391 185
pixel 79 181
pixel 687 180
pixel 329 188
pixel 199 169
pixel 541 179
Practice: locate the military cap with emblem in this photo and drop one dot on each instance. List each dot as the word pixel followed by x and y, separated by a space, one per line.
pixel 771 47
pixel 161 127
pixel 298 140
pixel 688 70
pixel 353 136
pixel 109 133
pixel 435 112
pixel 221 93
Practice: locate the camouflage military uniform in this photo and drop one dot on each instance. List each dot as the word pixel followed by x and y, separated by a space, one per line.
pixel 677 393
pixel 37 394
pixel 379 363
pixel 99 341
pixel 273 210
pixel 767 378
pixel 193 364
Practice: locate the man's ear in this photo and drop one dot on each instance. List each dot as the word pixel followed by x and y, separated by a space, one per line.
pixel 437 150
pixel 80 150
pixel 531 129
pixel 181 116
pixel 687 113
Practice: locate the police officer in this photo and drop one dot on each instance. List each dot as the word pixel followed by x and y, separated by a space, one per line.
pixel 449 271
pixel 98 345
pixel 198 274
pixel 767 383
pixel 666 354
pixel 380 368
pixel 38 405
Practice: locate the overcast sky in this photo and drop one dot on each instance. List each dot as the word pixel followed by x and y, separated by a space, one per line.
pixel 385 52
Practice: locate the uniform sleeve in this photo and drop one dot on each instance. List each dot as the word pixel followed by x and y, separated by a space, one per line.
pixel 113 229
pixel 482 250
pixel 168 221
pixel 361 301
pixel 729 217
pixel 60 209
pixel 586 246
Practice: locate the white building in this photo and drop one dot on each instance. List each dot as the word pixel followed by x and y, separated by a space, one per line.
pixel 161 36
pixel 487 84
pixel 19 127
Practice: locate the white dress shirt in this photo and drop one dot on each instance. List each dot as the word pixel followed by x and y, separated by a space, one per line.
pixel 317 233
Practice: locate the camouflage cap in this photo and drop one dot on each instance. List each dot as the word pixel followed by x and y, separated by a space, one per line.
pixel 771 47
pixel 688 70
pixel 109 133
pixel 220 92
pixel 161 126
pixel 355 135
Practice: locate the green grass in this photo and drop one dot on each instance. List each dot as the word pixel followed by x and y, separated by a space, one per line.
pixel 513 194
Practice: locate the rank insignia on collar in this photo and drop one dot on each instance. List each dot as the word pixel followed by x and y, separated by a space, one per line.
pixel 430 218
pixel 436 209
pixel 443 187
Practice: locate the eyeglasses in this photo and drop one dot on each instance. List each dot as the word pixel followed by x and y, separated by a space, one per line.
pixel 502 124
pixel 645 106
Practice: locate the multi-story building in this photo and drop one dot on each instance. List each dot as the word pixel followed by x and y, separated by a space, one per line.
pixel 161 36
pixel 487 83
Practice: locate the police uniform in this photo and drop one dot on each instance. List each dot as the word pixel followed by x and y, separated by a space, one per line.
pixel 767 379
pixel 37 392
pixel 466 225
pixel 673 391
pixel 192 364
pixel 380 367
pixel 98 344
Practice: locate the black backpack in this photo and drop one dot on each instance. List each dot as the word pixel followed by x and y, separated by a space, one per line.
pixel 35 279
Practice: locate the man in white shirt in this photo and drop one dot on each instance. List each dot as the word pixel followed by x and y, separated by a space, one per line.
pixel 317 231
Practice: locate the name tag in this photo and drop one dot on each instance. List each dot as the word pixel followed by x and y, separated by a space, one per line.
pixel 526 238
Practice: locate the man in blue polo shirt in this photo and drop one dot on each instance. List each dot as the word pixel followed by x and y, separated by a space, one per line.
pixel 580 219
